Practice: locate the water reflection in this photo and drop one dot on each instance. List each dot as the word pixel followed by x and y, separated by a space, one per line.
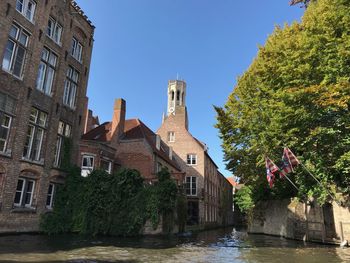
pixel 221 245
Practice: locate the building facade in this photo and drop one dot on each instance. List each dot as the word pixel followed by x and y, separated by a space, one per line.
pixel 203 182
pixel 45 53
pixel 126 143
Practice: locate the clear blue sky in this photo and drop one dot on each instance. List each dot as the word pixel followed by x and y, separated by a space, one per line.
pixel 141 44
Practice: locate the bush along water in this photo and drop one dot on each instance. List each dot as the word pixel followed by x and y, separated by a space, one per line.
pixel 118 204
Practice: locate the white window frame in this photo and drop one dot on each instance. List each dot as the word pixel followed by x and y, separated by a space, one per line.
pixel 71 87
pixel 191 159
pixel 77 50
pixel 50 196
pixel 55 31
pixel 18 39
pixel 171 136
pixel 25 11
pixel 23 192
pixel 8 128
pixel 36 127
pixel 64 131
pixel 193 185
pixel 85 169
pixel 47 66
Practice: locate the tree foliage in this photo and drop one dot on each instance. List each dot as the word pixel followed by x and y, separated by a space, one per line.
pixel 118 204
pixel 295 93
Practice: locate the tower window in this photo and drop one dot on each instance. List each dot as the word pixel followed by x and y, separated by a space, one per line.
pixel 172 95
pixel 171 136
pixel 178 95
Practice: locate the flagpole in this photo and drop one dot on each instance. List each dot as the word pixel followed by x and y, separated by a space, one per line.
pixel 319 183
pixel 291 182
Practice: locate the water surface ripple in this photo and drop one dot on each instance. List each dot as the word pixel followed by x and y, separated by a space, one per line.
pixel 220 245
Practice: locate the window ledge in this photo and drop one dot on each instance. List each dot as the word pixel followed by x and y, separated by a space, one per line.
pixel 10 73
pixel 41 162
pixel 6 154
pixel 59 44
pixel 69 107
pixel 21 209
pixel 43 92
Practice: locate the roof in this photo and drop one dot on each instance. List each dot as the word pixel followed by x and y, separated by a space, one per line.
pixel 133 129
pixel 100 133
pixel 232 181
pixel 136 129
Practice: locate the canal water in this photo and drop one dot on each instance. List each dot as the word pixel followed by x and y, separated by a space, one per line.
pixel 221 245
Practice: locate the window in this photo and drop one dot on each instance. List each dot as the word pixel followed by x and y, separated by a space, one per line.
pixel 54 30
pixel 77 50
pixel 64 132
pixel 46 71
pixel 192 159
pixel 106 166
pixel 191 185
pixel 15 51
pixel 50 196
pixel 7 110
pixel 24 192
pixel 26 8
pixel 70 87
pixel 87 165
pixel 5 124
pixel 171 136
pixel 35 135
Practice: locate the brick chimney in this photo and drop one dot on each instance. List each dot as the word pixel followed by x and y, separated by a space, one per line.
pixel 118 120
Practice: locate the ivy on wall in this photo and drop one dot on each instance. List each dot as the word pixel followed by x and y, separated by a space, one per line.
pixel 117 204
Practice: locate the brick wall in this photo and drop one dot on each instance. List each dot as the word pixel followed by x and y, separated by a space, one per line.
pixel 26 95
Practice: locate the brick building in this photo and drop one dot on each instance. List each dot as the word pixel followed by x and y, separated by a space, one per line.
pixel 204 185
pixel 45 53
pixel 126 143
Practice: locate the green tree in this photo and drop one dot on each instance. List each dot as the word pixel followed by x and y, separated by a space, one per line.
pixel 296 93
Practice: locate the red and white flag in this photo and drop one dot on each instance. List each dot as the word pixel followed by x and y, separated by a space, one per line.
pixel 271 168
pixel 290 157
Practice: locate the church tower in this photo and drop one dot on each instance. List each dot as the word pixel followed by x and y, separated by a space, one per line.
pixel 176 95
pixel 177 100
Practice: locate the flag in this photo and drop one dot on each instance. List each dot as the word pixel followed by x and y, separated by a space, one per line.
pixel 290 158
pixel 271 168
pixel 286 168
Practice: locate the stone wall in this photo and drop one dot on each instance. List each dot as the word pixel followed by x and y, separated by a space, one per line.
pixel 309 222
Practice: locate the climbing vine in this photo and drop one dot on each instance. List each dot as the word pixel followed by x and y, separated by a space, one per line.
pixel 118 204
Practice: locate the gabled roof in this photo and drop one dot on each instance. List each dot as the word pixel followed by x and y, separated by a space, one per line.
pixel 136 129
pixel 133 129
pixel 100 133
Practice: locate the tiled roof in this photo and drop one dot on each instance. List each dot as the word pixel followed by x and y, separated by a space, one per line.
pixel 232 181
pixel 100 133
pixel 136 129
pixel 133 129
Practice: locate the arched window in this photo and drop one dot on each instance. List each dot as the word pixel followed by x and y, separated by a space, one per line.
pixel 178 95
pixel 172 95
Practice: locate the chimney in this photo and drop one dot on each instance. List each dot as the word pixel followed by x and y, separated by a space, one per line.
pixel 118 121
